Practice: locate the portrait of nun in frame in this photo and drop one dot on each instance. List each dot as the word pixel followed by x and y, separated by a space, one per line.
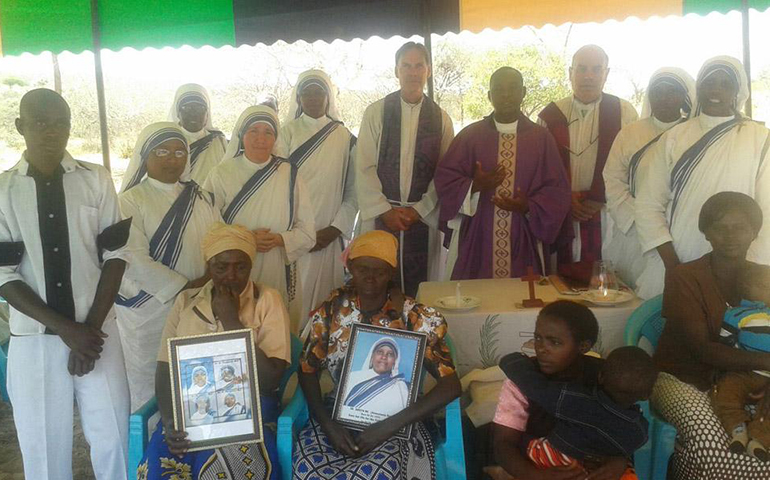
pixel 384 381
pixel 379 387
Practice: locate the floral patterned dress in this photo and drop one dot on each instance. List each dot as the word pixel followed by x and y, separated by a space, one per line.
pixel 326 348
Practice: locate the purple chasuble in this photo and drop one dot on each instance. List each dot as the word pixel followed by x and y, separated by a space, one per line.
pixel 538 174
pixel 591 230
pixel 413 244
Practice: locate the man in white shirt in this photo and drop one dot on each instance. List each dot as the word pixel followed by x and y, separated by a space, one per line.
pixel 584 126
pixel 400 143
pixel 62 247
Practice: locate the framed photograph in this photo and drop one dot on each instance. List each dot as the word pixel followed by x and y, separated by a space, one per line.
pixel 215 391
pixel 380 377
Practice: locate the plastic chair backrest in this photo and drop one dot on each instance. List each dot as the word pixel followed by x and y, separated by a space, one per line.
pixel 646 322
pixel 4 373
pixel 296 352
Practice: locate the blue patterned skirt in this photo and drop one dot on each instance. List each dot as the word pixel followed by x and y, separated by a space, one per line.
pixel 251 461
pixel 396 459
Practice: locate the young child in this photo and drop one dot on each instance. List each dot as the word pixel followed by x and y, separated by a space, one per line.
pixel 747 327
pixel 568 410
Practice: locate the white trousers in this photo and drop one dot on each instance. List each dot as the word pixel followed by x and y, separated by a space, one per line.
pixel 42 393
pixel 140 332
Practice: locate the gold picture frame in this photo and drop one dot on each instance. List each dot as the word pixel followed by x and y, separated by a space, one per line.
pixel 215 389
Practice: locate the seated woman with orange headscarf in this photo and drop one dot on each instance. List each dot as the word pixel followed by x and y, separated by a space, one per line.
pixel 229 301
pixel 326 448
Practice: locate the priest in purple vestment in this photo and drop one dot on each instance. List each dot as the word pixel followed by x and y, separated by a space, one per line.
pixel 502 188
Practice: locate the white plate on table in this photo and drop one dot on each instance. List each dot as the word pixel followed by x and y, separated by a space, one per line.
pixel 466 303
pixel 614 297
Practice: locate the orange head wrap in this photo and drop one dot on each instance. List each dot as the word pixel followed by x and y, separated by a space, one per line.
pixel 222 237
pixel 377 244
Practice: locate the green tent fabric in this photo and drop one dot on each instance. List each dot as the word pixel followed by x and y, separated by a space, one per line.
pixel 35 26
pixel 704 7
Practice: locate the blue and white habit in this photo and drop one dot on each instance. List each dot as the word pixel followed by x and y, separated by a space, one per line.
pixel 169 222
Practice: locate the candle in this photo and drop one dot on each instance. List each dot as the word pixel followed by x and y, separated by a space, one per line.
pixel 457 295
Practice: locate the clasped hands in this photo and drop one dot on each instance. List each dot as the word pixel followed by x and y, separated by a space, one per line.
pixel 584 209
pixel 85 342
pixel 266 240
pixel 490 180
pixel 355 446
pixel 400 219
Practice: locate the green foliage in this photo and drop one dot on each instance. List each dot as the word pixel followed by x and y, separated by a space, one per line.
pixel 461 77
pixel 11 81
pixel 544 72
pixel 460 74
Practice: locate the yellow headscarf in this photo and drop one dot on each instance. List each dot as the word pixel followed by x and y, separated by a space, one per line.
pixel 222 237
pixel 377 244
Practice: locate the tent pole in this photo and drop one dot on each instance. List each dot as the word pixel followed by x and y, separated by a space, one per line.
pixel 746 50
pixel 100 83
pixel 426 35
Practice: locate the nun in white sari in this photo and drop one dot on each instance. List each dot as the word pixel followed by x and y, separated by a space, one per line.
pixel 318 144
pixel 199 384
pixel 668 101
pixel 379 387
pixel 170 217
pixel 261 191
pixel 192 111
pixel 719 150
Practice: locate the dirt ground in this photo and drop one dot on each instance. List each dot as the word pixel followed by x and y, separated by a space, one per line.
pixel 10 456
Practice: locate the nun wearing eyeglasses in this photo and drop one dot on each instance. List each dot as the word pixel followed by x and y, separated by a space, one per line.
pixel 718 150
pixel 668 101
pixel 192 111
pixel 378 387
pixel 316 142
pixel 263 192
pixel 171 215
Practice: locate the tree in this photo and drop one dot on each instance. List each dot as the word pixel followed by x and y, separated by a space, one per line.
pixel 450 77
pixel 544 73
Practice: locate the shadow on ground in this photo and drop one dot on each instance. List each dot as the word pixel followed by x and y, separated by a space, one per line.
pixel 10 457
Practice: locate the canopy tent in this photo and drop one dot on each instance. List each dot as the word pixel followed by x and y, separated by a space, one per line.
pixel 34 26
pixel 476 15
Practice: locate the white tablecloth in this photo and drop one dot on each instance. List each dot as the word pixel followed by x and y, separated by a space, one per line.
pixel 498 326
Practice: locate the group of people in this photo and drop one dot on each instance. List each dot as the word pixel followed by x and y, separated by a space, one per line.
pixel 210 234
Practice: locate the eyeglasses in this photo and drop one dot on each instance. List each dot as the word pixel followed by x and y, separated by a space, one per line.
pixel 590 144
pixel 591 134
pixel 166 154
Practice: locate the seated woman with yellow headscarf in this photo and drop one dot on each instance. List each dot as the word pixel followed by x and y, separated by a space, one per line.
pixel 325 449
pixel 229 301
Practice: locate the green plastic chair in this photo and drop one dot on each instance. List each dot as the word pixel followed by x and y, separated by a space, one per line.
pixel 450 454
pixel 651 461
pixel 4 372
pixel 138 428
